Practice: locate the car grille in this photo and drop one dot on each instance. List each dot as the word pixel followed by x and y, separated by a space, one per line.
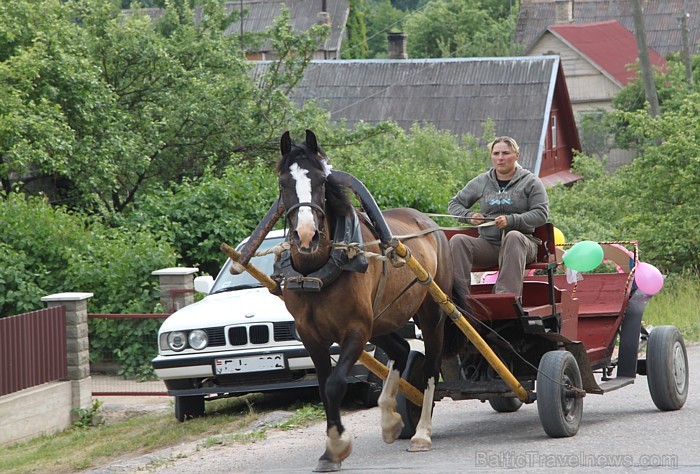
pixel 216 336
pixel 260 333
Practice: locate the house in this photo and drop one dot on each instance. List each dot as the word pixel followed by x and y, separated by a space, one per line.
pixel 525 97
pixel 598 60
pixel 661 20
pixel 260 15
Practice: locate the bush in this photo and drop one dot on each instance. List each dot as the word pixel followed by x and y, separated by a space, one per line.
pixel 197 215
pixel 48 250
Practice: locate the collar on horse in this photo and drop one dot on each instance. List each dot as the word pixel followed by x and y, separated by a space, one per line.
pixel 347 230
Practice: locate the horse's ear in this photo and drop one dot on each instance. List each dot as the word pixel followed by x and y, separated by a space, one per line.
pixel 311 141
pixel 286 143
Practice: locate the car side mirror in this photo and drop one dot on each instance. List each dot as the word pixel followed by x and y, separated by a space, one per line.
pixel 203 284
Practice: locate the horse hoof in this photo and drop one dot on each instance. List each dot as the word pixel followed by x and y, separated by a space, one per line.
pixel 327 466
pixel 420 445
pixel 391 432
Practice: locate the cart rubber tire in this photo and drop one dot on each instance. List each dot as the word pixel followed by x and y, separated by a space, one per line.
pixel 410 413
pixel 505 405
pixel 560 416
pixel 667 368
pixel 189 407
pixel 368 392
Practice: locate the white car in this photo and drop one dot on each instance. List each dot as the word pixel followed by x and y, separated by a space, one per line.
pixel 239 339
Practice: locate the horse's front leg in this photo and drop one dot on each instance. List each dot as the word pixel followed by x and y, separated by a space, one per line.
pixel 338 441
pixel 391 420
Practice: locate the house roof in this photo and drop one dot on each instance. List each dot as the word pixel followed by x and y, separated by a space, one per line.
pixel 262 13
pixel 661 20
pixel 458 95
pixel 593 41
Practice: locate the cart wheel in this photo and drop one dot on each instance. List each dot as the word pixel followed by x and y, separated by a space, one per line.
pixel 667 368
pixel 189 407
pixel 560 415
pixel 410 413
pixel 505 405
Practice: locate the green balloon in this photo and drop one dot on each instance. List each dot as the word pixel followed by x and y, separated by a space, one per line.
pixel 584 256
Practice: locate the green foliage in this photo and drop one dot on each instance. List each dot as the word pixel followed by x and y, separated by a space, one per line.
pixel 197 215
pixel 677 305
pixel 381 18
pixel 88 417
pixel 47 250
pixel 131 343
pixel 461 28
pixel 671 88
pixel 401 169
pixel 356 45
pixel 109 106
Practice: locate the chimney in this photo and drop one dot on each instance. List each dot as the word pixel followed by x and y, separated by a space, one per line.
pixel 396 46
pixel 323 17
pixel 564 11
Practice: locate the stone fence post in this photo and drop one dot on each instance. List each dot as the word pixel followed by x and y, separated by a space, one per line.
pixel 176 287
pixel 77 344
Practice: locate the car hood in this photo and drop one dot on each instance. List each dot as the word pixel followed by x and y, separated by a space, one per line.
pixel 224 309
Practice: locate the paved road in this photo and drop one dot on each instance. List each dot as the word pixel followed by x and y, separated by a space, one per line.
pixel 621 430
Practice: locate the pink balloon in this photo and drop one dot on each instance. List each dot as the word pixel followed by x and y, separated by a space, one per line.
pixel 490 277
pixel 648 278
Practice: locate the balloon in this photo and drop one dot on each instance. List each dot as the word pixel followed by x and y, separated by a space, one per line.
pixel 584 256
pixel 489 277
pixel 558 237
pixel 648 278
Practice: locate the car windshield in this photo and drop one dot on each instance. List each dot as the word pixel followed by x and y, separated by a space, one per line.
pixel 227 282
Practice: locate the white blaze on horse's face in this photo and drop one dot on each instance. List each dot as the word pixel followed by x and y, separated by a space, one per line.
pixel 306 227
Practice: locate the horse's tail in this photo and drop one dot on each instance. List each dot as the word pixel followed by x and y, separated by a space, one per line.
pixel 454 340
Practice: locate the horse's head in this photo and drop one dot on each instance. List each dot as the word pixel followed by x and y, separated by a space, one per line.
pixel 303 176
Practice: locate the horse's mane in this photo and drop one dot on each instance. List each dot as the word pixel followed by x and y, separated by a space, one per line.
pixel 337 190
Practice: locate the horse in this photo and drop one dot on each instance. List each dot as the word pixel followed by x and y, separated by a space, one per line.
pixel 370 303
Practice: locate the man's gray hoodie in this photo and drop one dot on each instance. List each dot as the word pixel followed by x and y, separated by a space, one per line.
pixel 523 201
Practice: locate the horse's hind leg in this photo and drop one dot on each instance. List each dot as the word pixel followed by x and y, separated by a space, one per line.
pixel 432 324
pixel 391 420
pixel 421 440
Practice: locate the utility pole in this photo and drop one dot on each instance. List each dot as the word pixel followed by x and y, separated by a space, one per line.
pixel 644 61
pixel 686 48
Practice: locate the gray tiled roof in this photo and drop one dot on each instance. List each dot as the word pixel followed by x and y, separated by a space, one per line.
pixel 660 20
pixel 454 94
pixel 262 13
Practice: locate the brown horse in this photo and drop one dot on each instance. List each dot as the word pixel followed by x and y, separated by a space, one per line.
pixel 351 308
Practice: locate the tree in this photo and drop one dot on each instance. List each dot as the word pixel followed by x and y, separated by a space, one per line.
pixel 381 18
pixel 356 45
pixel 106 106
pixel 460 28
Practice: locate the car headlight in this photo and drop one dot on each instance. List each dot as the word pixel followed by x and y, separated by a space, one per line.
pixel 177 341
pixel 198 339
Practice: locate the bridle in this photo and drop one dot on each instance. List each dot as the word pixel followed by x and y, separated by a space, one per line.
pixel 312 205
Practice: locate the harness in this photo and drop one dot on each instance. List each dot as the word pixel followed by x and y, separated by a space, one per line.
pixel 347 230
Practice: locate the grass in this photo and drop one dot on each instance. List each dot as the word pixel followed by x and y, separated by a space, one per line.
pixel 83 447
pixel 677 304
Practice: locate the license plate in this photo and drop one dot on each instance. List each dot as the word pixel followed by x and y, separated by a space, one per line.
pixel 241 365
